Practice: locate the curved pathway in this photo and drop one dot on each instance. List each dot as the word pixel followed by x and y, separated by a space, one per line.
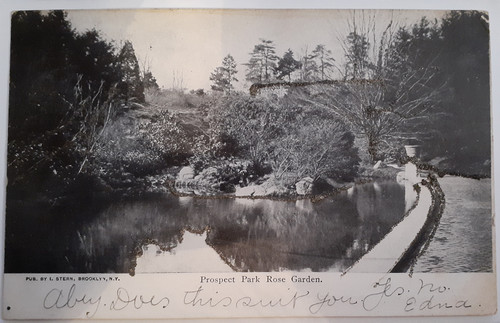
pixel 387 253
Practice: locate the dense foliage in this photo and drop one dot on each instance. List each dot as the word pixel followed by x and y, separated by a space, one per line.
pixel 293 141
pixel 426 83
pixel 65 89
pixel 464 135
pixel 73 117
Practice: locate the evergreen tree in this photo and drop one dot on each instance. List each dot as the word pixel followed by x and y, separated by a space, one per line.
pixel 48 58
pixel 149 81
pixel 223 76
pixel 61 97
pixel 40 71
pixel 254 68
pixel 262 63
pixel 131 74
pixel 324 60
pixel 287 65
pixel 465 60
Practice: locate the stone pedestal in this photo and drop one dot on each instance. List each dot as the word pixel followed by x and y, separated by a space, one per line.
pixel 411 173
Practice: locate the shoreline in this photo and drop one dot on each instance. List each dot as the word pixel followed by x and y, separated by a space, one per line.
pixel 399 250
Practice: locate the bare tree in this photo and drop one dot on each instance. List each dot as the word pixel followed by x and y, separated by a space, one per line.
pixel 386 93
pixel 308 65
pixel 147 77
pixel 177 80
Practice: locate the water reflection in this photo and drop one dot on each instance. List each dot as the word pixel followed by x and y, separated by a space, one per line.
pixel 246 235
pixel 410 195
pixel 191 255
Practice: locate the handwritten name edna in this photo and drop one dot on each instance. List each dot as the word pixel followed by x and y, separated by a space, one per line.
pixel 426 297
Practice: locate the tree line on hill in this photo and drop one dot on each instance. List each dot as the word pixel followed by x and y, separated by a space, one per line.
pixel 426 83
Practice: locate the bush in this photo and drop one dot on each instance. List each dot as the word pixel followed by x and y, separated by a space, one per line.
pixel 143 147
pixel 316 147
pixel 55 126
pixel 293 140
pixel 254 124
pixel 165 137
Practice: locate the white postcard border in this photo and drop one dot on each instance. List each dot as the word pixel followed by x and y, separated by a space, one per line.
pixel 470 280
pixel 219 295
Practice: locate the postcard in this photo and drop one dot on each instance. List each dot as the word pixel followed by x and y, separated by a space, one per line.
pixel 238 163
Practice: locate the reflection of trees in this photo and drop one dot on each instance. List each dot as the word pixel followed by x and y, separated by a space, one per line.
pixel 277 235
pixel 249 235
pixel 330 234
pixel 110 243
pixel 380 206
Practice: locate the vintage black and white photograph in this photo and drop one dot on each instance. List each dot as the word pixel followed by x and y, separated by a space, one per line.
pixel 195 141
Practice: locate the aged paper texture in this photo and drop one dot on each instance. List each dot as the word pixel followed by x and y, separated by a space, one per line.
pixel 243 163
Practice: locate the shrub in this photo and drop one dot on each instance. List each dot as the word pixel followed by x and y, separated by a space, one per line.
pixel 293 140
pixel 143 147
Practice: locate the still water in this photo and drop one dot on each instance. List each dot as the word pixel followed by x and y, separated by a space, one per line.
pixel 463 240
pixel 239 234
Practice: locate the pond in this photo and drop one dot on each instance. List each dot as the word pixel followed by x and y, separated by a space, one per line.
pixel 187 234
pixel 463 241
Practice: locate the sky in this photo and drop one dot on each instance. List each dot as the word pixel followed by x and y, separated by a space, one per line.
pixel 187 45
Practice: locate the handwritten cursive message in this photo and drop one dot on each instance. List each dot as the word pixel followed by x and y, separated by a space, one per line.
pixel 295 295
